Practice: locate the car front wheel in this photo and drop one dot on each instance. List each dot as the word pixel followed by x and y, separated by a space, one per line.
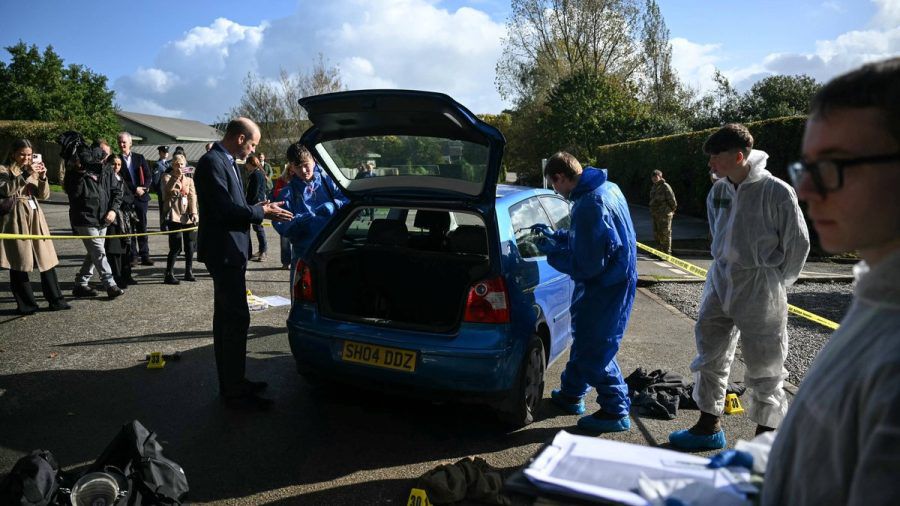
pixel 520 406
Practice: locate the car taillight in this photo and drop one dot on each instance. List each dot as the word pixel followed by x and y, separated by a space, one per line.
pixel 488 302
pixel 303 287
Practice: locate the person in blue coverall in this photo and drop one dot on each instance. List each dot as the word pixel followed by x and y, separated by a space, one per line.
pixel 599 253
pixel 313 198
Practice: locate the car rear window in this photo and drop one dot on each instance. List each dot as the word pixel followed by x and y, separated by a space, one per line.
pixel 406 155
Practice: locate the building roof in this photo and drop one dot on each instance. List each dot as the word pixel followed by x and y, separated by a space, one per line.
pixel 192 151
pixel 183 130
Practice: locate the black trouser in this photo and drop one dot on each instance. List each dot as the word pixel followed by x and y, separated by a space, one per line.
pixel 260 238
pixel 139 246
pixel 163 223
pixel 20 286
pixel 175 243
pixel 231 320
pixel 120 264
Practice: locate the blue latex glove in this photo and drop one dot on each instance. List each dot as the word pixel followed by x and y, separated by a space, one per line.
pixel 731 458
pixel 542 229
pixel 326 209
pixel 545 244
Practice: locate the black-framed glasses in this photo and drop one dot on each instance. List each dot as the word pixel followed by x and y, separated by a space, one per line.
pixel 828 175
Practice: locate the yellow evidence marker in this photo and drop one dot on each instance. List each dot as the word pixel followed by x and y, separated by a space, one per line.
pixel 156 360
pixel 733 405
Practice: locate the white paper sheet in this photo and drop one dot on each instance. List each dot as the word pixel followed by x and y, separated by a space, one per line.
pixel 599 468
pixel 276 300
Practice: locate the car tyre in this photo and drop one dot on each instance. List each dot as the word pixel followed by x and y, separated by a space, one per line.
pixel 519 408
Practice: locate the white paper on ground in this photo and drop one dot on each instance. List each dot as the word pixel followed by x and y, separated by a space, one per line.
pixel 598 468
pixel 276 301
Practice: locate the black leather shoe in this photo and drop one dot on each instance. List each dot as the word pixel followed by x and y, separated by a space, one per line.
pixel 59 305
pixel 248 402
pixel 147 261
pixel 113 292
pixel 83 291
pixel 27 311
pixel 189 276
pixel 130 281
pixel 170 279
pixel 256 386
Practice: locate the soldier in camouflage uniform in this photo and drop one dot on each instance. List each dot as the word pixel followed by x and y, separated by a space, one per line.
pixel 662 208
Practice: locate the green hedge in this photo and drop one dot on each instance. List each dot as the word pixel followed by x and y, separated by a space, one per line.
pixel 681 159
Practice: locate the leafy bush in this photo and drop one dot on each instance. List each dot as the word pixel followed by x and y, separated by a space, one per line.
pixel 681 159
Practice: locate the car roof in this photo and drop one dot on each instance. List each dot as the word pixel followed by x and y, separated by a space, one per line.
pixel 513 193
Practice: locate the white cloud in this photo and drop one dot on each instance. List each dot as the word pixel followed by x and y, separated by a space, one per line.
pixel 696 62
pixel 412 44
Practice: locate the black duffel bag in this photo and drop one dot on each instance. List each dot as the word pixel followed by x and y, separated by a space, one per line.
pixel 34 480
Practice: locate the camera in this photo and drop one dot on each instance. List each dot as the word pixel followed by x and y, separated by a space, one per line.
pixel 74 147
pixel 36 158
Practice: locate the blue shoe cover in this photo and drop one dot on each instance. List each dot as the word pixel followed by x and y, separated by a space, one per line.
pixel 572 408
pixel 599 425
pixel 686 441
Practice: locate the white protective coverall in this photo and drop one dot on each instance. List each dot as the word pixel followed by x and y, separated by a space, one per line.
pixel 759 245
pixel 840 442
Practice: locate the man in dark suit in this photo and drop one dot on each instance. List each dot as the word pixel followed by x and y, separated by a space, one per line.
pixel 137 175
pixel 224 246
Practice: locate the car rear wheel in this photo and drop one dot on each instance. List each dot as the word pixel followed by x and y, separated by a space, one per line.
pixel 521 405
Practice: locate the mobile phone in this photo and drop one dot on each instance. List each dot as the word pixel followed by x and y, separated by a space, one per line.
pixel 36 158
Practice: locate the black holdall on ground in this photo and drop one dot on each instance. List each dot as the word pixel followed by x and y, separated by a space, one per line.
pixel 153 478
pixel 33 481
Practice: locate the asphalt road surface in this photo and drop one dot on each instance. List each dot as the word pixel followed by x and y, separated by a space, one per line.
pixel 69 380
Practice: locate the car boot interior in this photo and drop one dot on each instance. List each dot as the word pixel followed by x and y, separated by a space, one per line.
pixel 405 280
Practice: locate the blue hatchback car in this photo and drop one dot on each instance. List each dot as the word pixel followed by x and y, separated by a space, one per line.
pixel 428 281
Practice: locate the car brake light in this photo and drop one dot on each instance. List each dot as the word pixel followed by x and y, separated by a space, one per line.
pixel 488 302
pixel 303 287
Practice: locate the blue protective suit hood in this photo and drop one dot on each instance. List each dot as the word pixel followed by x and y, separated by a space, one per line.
pixel 590 179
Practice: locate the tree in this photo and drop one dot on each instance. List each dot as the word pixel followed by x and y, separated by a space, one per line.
pixel 668 100
pixel 778 96
pixel 38 87
pixel 548 40
pixel 275 107
pixel 588 110
pixel 723 105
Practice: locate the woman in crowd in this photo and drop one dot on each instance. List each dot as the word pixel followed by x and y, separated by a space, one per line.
pixel 180 201
pixel 118 250
pixel 22 182
pixel 256 193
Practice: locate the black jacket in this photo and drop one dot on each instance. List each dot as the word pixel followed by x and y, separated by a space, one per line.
pixel 91 195
pixel 225 217
pixel 143 174
pixel 256 187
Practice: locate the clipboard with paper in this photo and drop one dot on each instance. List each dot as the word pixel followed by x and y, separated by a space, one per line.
pixel 600 469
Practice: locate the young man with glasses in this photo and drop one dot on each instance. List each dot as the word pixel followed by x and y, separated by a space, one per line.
pixel 759 245
pixel 840 442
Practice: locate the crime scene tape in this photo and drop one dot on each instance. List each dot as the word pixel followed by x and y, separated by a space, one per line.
pixel 701 273
pixel 29 237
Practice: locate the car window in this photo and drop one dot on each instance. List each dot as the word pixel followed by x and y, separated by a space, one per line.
pixel 559 211
pixel 522 216
pixel 408 155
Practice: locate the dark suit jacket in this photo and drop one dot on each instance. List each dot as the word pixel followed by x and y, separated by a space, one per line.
pixel 256 187
pixel 225 217
pixel 144 176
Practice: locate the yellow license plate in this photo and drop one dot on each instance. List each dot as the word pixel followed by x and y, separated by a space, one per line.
pixel 379 356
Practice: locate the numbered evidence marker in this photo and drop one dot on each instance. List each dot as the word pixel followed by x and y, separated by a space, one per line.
pixel 156 360
pixel 418 497
pixel 733 405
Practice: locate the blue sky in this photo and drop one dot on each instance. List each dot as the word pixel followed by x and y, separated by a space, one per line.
pixel 188 58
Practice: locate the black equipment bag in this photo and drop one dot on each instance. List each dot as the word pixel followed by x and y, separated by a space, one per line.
pixel 33 481
pixel 154 479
